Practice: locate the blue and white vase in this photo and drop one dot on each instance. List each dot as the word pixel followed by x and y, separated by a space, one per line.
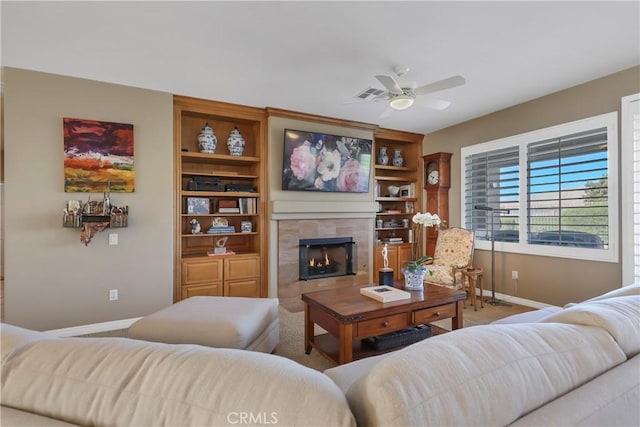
pixel 207 140
pixel 397 160
pixel 235 143
pixel 413 280
pixel 383 157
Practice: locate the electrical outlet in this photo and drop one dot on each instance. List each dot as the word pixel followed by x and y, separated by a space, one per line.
pixel 514 274
pixel 113 295
pixel 113 239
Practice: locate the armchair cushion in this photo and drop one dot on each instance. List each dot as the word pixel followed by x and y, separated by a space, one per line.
pixel 441 275
pixel 454 249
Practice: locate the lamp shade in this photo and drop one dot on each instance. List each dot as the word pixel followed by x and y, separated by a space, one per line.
pixel 401 102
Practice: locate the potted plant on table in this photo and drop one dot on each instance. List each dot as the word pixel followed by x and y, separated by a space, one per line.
pixel 415 269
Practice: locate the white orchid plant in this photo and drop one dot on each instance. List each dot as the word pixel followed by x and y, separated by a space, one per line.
pixel 421 220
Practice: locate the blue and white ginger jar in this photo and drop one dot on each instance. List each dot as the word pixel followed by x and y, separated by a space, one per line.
pixel 235 143
pixel 207 140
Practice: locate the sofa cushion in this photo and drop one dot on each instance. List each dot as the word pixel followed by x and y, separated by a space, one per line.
pixel 15 418
pixel 13 338
pixel 119 381
pixel 528 316
pixel 608 400
pixel 482 375
pixel 620 316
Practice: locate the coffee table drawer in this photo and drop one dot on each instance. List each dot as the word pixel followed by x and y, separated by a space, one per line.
pixel 434 313
pixel 382 325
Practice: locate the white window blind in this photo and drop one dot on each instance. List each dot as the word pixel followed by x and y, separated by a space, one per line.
pixel 492 180
pixel 567 195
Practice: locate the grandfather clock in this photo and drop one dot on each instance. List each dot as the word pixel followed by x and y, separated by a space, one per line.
pixel 437 180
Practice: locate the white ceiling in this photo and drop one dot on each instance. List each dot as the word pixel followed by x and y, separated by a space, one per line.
pixel 314 57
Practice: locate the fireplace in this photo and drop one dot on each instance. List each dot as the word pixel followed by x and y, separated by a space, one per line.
pixel 326 257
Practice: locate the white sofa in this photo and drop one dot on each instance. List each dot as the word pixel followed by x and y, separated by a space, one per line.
pixel 576 366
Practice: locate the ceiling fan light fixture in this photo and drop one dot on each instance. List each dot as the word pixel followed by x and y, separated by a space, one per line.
pixel 401 102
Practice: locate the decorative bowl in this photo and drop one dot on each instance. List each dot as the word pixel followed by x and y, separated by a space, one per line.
pixel 394 190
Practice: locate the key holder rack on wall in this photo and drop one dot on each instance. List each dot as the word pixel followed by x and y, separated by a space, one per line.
pixel 94 216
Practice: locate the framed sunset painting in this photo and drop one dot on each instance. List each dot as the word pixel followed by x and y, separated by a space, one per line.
pixel 98 156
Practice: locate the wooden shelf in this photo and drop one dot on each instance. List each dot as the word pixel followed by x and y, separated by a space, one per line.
pixel 396 199
pixel 385 176
pixel 219 214
pixel 394 178
pixel 229 194
pixel 218 158
pixel 396 168
pixel 328 346
pixel 245 272
pixel 238 233
pixel 220 174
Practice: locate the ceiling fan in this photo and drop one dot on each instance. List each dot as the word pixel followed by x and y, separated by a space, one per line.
pixel 401 94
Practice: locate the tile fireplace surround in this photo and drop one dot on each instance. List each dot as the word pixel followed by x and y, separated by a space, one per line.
pixel 290 231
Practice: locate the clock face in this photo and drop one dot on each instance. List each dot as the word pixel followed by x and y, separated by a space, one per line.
pixel 433 177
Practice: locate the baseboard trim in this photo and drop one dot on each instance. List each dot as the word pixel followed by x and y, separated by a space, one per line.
pixel 94 328
pixel 516 300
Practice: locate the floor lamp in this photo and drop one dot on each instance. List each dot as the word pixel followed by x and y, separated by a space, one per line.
pixel 493 300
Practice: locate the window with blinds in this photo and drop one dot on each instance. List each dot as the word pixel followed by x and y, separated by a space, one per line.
pixel 567 191
pixel 548 192
pixel 492 179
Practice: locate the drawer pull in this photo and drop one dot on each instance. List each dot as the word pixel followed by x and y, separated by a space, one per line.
pixel 385 324
pixel 437 314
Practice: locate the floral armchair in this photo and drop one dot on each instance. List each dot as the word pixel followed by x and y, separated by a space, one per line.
pixel 454 251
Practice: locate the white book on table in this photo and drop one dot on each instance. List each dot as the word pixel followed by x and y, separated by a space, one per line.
pixel 385 293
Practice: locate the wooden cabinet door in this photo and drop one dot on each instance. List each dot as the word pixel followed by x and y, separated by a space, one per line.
pixel 208 289
pixel 201 270
pixel 404 255
pixel 242 276
pixel 241 267
pixel 242 288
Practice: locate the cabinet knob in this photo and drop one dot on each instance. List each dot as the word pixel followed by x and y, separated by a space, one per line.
pixel 437 314
pixel 385 324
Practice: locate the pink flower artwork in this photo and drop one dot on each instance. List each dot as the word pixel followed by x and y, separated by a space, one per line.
pixel 324 162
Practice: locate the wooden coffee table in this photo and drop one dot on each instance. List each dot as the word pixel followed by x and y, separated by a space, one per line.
pixel 348 317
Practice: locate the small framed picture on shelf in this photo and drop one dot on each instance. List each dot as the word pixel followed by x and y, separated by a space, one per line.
pixel 219 222
pixel 246 227
pixel 198 205
pixel 409 207
pixel 406 191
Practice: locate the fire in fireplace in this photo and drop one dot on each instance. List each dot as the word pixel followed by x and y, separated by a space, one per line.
pixel 327 257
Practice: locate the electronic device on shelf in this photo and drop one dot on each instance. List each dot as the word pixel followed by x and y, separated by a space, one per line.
pixel 206 183
pixel 246 188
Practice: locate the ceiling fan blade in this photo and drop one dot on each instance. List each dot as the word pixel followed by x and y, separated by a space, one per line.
pixel 386 113
pixel 436 104
pixel 440 85
pixel 389 83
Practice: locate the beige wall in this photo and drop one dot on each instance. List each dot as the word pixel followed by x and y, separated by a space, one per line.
pixel 51 279
pixel 544 279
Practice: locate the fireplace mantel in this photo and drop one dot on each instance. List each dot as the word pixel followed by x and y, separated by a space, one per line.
pixel 300 209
